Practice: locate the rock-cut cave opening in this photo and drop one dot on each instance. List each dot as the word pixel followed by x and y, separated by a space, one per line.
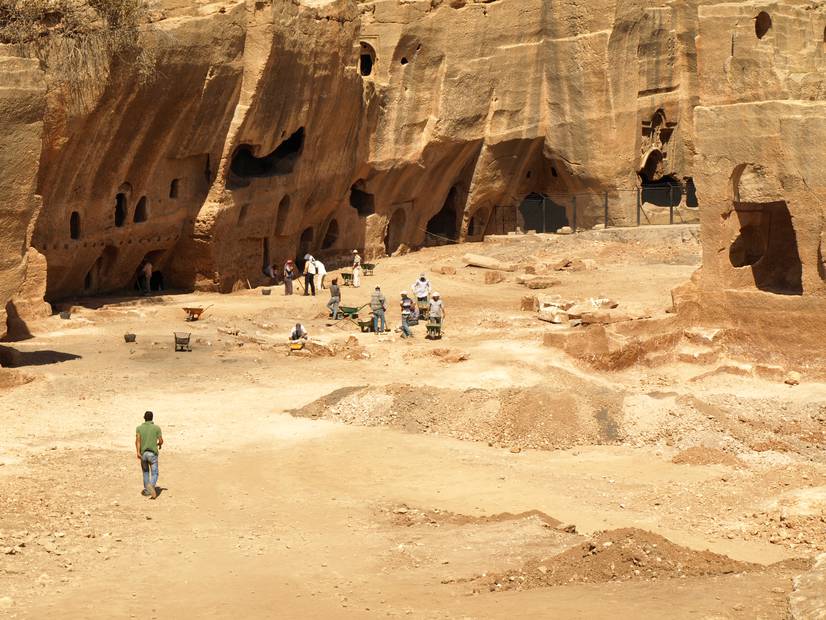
pixel 767 243
pixel 361 200
pixel 367 59
pixel 281 161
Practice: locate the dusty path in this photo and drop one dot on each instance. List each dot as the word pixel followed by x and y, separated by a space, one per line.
pixel 268 514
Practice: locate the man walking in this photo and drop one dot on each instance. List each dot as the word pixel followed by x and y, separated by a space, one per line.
pixel 378 304
pixel 148 440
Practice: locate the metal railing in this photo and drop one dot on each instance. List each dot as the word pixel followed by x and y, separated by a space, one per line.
pixel 640 206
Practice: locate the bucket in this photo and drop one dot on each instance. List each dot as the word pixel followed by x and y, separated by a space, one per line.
pixel 266 291
pixel 65 314
pixel 129 337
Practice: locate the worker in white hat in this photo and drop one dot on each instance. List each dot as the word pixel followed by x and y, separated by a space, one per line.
pixel 356 269
pixel 436 310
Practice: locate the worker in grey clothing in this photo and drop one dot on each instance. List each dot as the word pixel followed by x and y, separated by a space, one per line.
pixel 437 309
pixel 378 304
pixel 335 298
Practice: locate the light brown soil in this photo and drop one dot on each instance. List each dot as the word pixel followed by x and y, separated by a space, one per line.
pixel 509 457
pixel 619 555
pixel 699 455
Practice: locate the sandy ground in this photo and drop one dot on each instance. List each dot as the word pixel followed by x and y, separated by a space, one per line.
pixel 420 484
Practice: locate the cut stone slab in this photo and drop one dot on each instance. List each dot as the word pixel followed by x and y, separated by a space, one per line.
pixel 486 262
pixel 541 282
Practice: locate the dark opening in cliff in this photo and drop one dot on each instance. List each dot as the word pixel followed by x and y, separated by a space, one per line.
pixel 395 231
pixel 767 243
pixel 305 244
pixel 542 214
pixel 442 227
pixel 74 225
pixel 141 211
pixel 174 188
pixel 331 236
pixel 691 194
pixel 120 209
pixel 362 201
pixel 367 59
pixel 281 161
pixel 664 192
pixel 762 24
pixel 282 216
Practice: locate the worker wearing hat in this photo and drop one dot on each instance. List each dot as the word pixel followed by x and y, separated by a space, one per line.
pixel 437 309
pixel 407 312
pixel 356 269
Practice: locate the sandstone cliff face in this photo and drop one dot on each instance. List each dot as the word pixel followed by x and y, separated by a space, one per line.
pixel 126 166
pixel 274 128
pixel 22 104
pixel 758 128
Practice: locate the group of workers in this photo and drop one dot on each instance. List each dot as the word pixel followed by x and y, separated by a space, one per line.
pixel 314 274
pixel 425 303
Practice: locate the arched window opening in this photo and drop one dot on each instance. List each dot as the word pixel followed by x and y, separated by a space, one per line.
pixel 331 236
pixel 120 210
pixel 367 59
pixel 141 211
pixel 282 217
pixel 305 243
pixel 74 225
pixel 443 227
pixel 662 190
pixel 762 24
pixel 174 188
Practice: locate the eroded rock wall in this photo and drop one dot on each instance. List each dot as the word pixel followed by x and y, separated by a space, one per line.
pixel 759 127
pixel 22 105
pixel 275 128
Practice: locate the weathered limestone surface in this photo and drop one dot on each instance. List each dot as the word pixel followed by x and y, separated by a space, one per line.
pixel 22 103
pixel 758 128
pixel 280 141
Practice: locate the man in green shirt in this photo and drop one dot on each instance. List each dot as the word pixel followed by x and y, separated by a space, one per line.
pixel 148 440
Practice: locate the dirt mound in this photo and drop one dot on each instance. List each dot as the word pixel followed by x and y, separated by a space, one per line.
pixel 539 417
pixel 406 516
pixel 618 555
pixel 699 455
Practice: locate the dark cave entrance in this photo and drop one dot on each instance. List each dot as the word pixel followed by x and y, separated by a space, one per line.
pixel 542 214
pixel 443 227
pixel 767 243
pixel 280 162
